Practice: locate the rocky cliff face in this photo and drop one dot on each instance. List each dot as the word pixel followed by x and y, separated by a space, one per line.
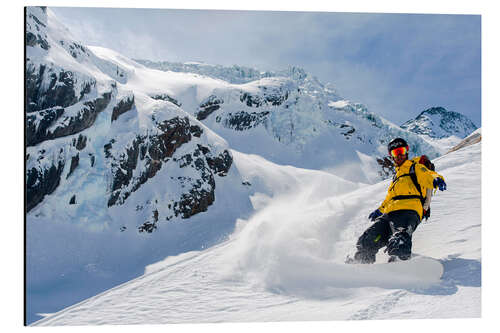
pixel 85 144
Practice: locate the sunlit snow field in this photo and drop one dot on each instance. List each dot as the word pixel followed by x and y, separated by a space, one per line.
pixel 286 261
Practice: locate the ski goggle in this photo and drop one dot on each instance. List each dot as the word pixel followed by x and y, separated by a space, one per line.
pixel 399 151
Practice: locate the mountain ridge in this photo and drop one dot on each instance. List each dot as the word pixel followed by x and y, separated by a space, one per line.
pixel 439 123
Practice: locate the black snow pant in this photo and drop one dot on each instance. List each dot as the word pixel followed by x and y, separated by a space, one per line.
pixel 393 230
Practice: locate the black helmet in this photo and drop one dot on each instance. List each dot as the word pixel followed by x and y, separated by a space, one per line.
pixel 396 143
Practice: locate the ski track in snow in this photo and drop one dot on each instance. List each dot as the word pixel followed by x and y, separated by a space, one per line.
pixel 291 268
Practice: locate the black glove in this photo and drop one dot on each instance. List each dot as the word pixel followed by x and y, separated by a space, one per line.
pixel 439 183
pixel 427 214
pixel 373 215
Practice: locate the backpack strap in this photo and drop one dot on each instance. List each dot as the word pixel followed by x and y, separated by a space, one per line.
pixel 413 177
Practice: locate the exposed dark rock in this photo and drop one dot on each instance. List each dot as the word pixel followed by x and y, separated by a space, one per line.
pixel 274 97
pixel 221 164
pixel 185 160
pixel 123 106
pixel 84 119
pixel 165 97
pixel 196 130
pixel 44 9
pixel 72 201
pixel 207 107
pixel 150 226
pixel 33 40
pixel 38 123
pixel 75 160
pixel 92 160
pixel 81 142
pixel 203 149
pixel 242 120
pixel 86 89
pixel 59 92
pixel 194 202
pixel 199 197
pixel 40 97
pixel 153 149
pixel 76 50
pixel 41 182
pixel 251 100
pixel 34 77
pixel 349 130
pixel 107 148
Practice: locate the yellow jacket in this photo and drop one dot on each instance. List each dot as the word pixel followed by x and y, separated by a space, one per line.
pixel 402 186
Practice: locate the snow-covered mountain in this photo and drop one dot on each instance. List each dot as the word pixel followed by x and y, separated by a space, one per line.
pixel 91 136
pixel 127 164
pixel 100 125
pixel 286 262
pixel 290 117
pixel 439 123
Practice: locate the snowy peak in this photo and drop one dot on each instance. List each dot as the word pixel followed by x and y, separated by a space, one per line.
pixel 439 123
pixel 233 74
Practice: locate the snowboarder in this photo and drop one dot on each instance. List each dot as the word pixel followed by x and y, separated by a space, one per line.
pixel 403 208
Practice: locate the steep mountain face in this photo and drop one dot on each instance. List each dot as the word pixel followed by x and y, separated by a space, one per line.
pixel 83 122
pixel 289 117
pixel 439 123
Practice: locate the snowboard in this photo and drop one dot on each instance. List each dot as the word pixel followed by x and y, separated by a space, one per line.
pixel 418 270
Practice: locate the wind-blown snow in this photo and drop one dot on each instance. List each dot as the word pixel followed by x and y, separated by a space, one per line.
pixel 286 261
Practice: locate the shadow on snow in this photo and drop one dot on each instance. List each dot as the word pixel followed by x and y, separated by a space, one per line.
pixel 457 272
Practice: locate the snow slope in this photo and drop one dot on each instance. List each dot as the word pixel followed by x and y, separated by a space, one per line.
pixel 286 261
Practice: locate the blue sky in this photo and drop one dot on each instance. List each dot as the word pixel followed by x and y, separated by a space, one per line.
pixel 396 64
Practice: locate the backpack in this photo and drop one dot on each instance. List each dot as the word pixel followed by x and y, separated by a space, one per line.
pixel 413 176
pixel 428 164
pixel 426 202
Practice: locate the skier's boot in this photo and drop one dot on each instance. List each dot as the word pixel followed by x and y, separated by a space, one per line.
pixel 399 246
